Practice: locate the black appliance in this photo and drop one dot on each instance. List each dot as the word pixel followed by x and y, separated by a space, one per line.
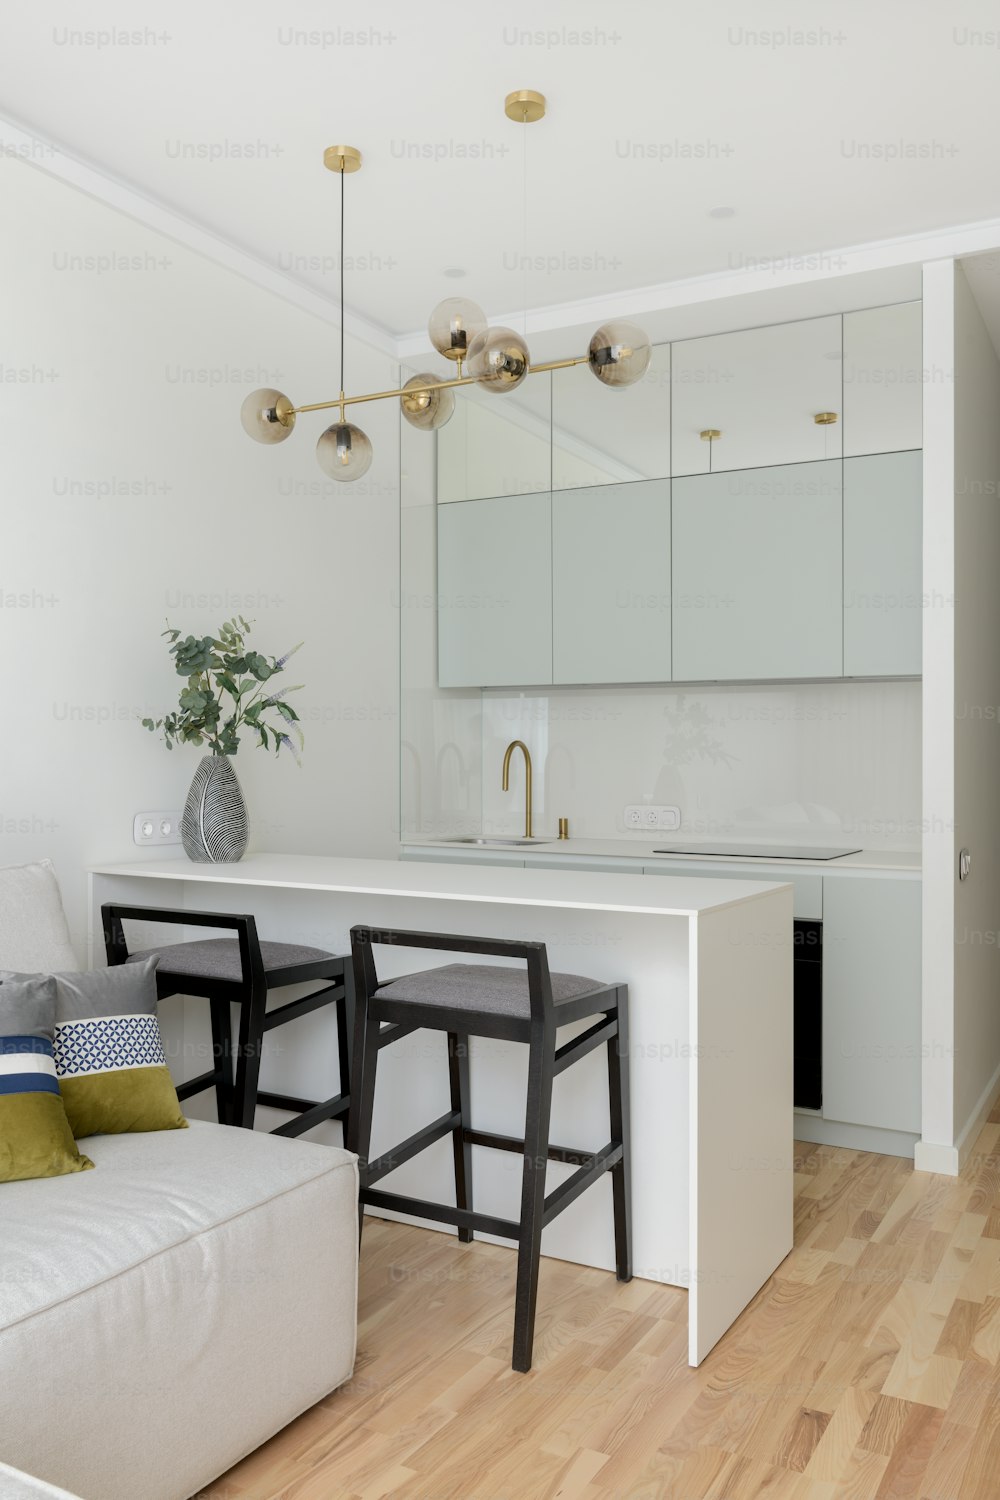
pixel 807 971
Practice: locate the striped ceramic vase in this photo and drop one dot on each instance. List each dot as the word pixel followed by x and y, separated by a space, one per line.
pixel 215 827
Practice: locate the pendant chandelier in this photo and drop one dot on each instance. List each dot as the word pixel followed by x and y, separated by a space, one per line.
pixel 494 358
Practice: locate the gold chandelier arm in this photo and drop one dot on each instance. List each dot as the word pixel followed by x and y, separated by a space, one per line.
pixel 437 385
pixel 558 364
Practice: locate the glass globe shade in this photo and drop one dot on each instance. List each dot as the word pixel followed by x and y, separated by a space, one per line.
pixel 453 325
pixel 498 358
pixel 619 354
pixel 344 452
pixel 426 409
pixel 267 416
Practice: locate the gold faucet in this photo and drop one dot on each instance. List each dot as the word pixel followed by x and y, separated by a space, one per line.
pixel 520 745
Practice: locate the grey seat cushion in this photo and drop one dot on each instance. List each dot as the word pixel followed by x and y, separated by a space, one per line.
pixel 219 958
pixel 482 987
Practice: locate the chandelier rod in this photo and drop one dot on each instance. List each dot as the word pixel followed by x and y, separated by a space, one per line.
pixel 437 385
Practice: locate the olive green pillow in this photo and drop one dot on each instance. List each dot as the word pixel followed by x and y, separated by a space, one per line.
pixel 35 1138
pixel 109 1052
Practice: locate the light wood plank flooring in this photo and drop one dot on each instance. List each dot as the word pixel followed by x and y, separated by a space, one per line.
pixel 868 1368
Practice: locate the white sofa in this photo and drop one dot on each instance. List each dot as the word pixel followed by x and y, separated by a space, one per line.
pixel 165 1314
pixel 17 1486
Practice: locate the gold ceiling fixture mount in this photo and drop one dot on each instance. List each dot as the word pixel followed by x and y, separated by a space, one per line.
pixel 342 159
pixel 495 358
pixel 524 106
pixel 825 418
pixel 709 434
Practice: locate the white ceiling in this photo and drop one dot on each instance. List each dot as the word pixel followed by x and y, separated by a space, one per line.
pixel 657 114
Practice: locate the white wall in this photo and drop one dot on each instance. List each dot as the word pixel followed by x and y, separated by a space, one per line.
pixel 130 494
pixel 977 708
pixel 961 942
pixel 935 1151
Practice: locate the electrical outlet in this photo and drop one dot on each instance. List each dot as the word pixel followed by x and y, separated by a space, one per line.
pixel 156 828
pixel 653 817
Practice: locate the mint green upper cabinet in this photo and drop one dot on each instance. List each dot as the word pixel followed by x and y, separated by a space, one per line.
pixel 883 565
pixel 602 435
pixel 761 389
pixel 495 592
pixel 757 574
pixel 611 583
pixel 883 379
pixel 497 443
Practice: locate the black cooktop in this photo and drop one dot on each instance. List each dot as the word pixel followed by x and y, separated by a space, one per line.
pixel 757 851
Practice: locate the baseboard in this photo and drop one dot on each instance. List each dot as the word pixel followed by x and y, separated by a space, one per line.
pixel 812 1127
pixel 979 1117
pixel 949 1160
pixel 930 1157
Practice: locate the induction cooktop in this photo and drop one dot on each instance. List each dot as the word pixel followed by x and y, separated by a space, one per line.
pixel 757 851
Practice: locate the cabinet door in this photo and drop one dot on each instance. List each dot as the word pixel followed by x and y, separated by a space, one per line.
pixel 871 1002
pixel 883 379
pixel 758 574
pixel 495 592
pixel 611 583
pixel 762 390
pixel 883 540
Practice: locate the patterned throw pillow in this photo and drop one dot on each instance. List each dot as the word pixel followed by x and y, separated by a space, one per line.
pixel 35 1138
pixel 109 1053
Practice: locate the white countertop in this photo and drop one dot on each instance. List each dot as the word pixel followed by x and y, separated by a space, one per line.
pixel 579 889
pixel 907 860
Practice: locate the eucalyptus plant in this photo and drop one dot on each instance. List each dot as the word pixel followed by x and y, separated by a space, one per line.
pixel 227 691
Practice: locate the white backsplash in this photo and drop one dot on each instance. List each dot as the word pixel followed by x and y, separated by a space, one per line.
pixel 831 762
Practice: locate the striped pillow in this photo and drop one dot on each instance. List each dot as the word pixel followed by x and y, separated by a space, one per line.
pixel 35 1137
pixel 109 1058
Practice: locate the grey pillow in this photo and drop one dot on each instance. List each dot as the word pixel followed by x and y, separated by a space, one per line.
pixel 124 990
pixel 27 1004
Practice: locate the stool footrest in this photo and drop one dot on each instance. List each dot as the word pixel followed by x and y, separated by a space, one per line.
pixel 439 1213
pixel 595 1166
pixel 335 1108
pixel 394 1032
pixel 296 1008
pixel 512 1143
pixel 199 1084
pixel 412 1146
pixel 595 1036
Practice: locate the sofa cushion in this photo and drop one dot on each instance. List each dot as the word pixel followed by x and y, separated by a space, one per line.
pixel 15 1485
pixel 35 1137
pixel 34 937
pixel 159 1329
pixel 150 1193
pixel 109 1052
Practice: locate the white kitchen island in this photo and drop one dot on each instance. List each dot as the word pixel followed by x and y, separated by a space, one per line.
pixel 709 968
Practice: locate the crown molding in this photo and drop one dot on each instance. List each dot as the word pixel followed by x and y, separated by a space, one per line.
pixel 21 144
pixel 790 271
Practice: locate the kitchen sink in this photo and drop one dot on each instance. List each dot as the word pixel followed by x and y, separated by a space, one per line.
pixel 501 842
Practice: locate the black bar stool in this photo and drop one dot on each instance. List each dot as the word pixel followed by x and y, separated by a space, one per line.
pixel 243 972
pixel 486 1000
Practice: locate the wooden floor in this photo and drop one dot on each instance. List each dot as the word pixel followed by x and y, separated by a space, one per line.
pixel 868 1368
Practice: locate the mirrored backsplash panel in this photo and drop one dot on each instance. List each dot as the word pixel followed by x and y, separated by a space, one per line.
pixel 810 763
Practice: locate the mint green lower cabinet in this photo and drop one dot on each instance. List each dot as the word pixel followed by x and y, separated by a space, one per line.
pixel 883 567
pixel 758 573
pixel 495 592
pixel 611 583
pixel 872 1002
